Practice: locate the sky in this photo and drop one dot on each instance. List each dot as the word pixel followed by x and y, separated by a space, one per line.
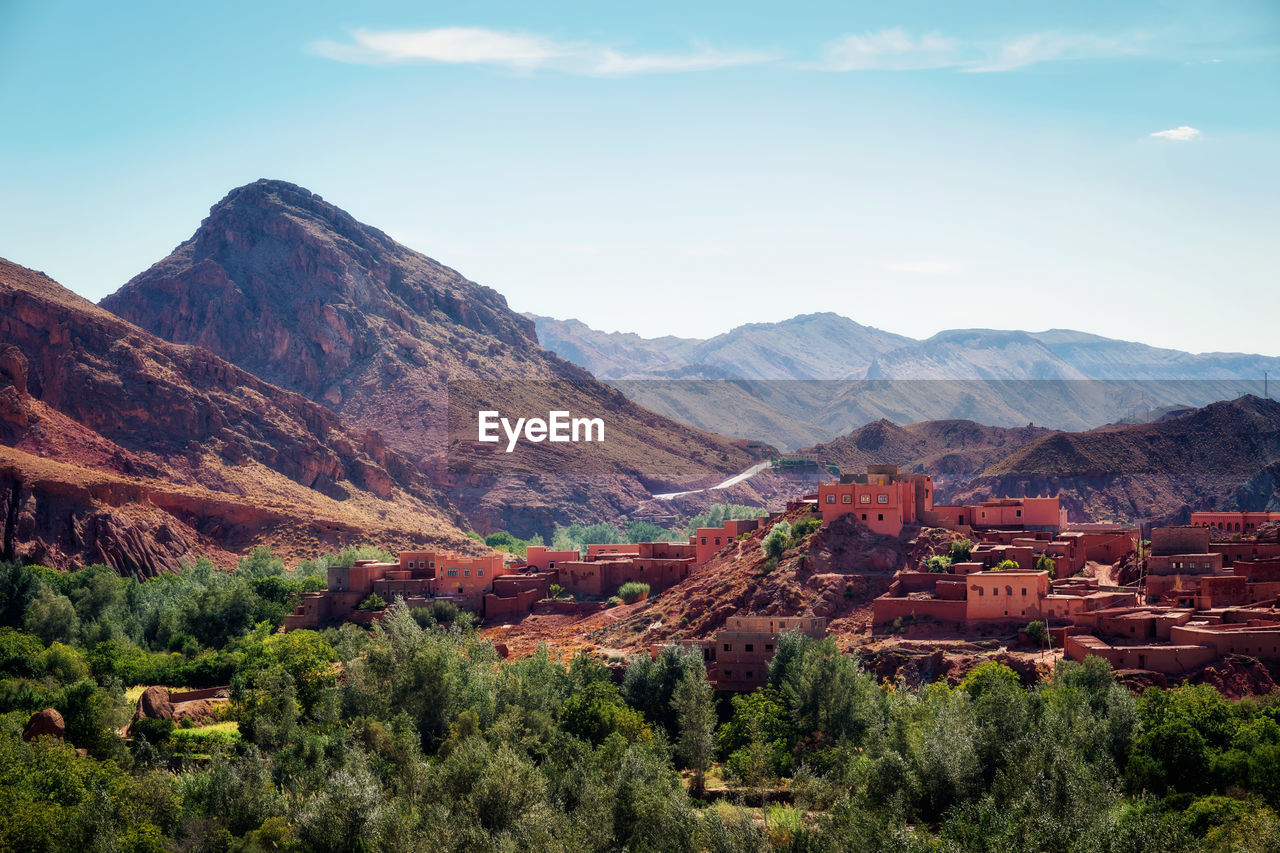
pixel 680 168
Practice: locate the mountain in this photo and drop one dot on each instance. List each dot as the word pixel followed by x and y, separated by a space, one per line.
pixel 1222 456
pixel 810 346
pixel 294 290
pixel 119 447
pixel 818 376
pixel 949 450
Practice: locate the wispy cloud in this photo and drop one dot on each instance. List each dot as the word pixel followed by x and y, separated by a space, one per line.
pixel 897 50
pixel 523 52
pixel 1178 134
pixel 890 50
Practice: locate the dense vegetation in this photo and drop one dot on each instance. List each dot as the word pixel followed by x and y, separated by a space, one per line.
pixel 416 736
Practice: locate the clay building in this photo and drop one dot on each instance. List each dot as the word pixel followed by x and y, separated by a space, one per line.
pixel 738 656
pixel 1233 522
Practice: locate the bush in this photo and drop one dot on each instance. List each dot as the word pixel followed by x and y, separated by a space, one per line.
pixel 633 591
pixel 1005 566
pixel 775 541
pixel 612 601
pixel 373 602
pixel 961 550
pixel 801 529
pixel 938 564
pixel 1038 633
pixel 1045 563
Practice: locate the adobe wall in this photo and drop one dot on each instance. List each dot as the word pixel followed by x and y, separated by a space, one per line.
pixel 1185 539
pixel 1107 547
pixel 519 604
pixel 885 609
pixel 543 558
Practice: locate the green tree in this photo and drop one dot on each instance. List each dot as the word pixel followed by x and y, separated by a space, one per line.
pixel 775 541
pixel 694 706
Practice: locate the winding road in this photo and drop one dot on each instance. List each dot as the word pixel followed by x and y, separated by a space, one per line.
pixel 732 481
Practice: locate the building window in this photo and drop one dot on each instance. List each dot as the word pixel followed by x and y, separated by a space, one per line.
pixel 704 540
pixel 480 573
pixel 453 573
pixel 717 540
pixel 728 648
pixel 1019 513
pixel 728 673
pixel 768 647
pixel 1024 592
pixel 866 499
pixel 466 573
pixel 880 516
pixel 882 499
pixel 831 499
pixel 848 499
pixel 864 516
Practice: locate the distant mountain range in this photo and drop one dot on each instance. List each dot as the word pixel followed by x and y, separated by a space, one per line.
pixel 816 376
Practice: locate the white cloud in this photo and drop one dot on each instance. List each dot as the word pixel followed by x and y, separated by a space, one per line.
pixel 897 50
pixel 890 50
pixel 1177 134
pixel 521 51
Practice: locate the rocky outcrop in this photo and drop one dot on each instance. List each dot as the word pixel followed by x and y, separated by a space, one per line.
pixel 154 703
pixel 117 447
pixel 46 723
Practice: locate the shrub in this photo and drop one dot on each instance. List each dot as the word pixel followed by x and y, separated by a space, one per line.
pixel 556 591
pixel 803 528
pixel 1038 633
pixel 938 564
pixel 444 611
pixel 373 602
pixel 633 591
pixel 1045 563
pixel 612 601
pixel 775 541
pixel 961 550
pixel 1005 566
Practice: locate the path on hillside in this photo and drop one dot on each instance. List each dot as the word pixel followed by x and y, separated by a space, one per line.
pixel 732 481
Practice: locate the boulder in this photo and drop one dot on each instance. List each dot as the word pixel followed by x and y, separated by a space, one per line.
pixel 47 722
pixel 155 703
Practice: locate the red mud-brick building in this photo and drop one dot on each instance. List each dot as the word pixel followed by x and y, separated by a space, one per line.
pixel 738 656
pixel 1233 522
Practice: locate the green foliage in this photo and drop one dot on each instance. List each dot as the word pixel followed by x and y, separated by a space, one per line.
pixel 612 601
pixel 1045 563
pixel 1005 566
pixel 373 602
pixel 504 541
pixel 633 591
pixel 938 564
pixel 776 540
pixel 413 734
pixel 961 550
pixel 718 514
pixel 801 529
pixel 1038 633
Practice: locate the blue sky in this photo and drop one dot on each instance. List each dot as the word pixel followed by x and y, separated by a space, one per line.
pixel 676 168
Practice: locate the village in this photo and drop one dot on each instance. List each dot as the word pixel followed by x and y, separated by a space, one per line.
pixel 1170 604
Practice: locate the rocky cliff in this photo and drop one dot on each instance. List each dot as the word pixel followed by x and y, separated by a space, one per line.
pixel 119 447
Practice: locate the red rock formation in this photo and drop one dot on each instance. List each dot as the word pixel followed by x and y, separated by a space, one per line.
pixel 118 447
pixel 45 723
